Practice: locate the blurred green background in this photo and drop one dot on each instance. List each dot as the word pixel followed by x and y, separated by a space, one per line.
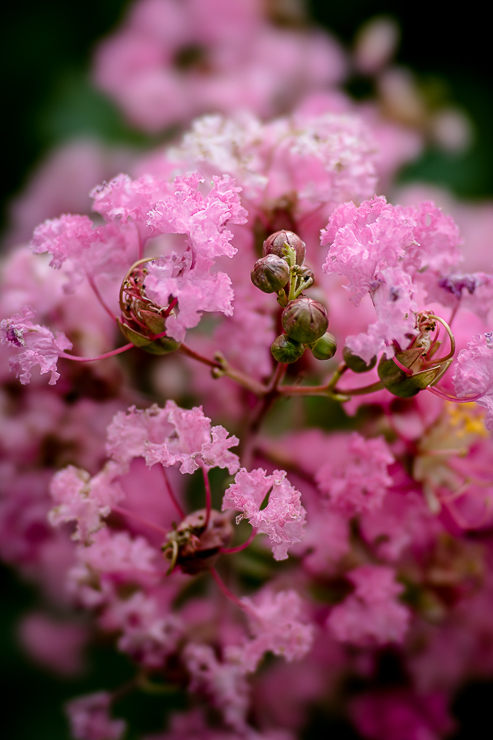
pixel 45 50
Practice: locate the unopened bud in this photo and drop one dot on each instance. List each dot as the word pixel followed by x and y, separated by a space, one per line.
pixel 270 273
pixel 286 350
pixel 305 320
pixel 275 243
pixel 325 347
pixel 355 363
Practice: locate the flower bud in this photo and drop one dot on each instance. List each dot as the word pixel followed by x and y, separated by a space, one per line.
pixel 286 350
pixel 270 273
pixel 305 320
pixel 325 347
pixel 275 242
pixel 355 363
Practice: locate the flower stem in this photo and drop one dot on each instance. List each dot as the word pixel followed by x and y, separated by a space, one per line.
pixel 99 357
pixel 229 594
pixel 222 367
pixel 171 493
pixel 130 514
pixel 239 548
pixel 208 497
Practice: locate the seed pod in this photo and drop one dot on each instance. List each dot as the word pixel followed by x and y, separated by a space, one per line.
pixel 397 382
pixel 275 242
pixel 357 364
pixel 305 320
pixel 270 273
pixel 161 346
pixel 325 347
pixel 286 350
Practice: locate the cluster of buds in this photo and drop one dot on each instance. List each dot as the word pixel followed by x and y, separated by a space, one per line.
pixel 281 270
pixel 142 321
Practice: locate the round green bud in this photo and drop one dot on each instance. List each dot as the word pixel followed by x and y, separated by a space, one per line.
pixel 274 244
pixel 270 273
pixel 325 347
pixel 305 320
pixel 286 350
pixel 357 364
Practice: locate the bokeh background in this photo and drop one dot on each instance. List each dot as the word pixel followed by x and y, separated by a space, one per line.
pixel 45 52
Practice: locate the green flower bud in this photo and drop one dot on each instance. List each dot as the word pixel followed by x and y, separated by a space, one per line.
pixel 325 347
pixel 275 242
pixel 305 320
pixel 355 363
pixel 286 350
pixel 270 273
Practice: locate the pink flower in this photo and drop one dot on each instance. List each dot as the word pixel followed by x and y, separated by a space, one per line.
pixel 371 615
pixel 171 435
pixel 54 644
pixel 474 373
pixel 276 627
pixel 90 720
pixel 403 715
pixel 283 518
pixel 357 478
pixel 222 682
pixel 83 499
pixel 37 345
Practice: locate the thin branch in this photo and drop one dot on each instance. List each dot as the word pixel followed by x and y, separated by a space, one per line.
pixel 171 493
pixel 113 352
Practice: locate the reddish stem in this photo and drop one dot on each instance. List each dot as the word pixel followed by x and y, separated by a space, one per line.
pixel 171 494
pixel 239 548
pixel 126 512
pixel 208 497
pixel 100 298
pixel 229 594
pixel 99 357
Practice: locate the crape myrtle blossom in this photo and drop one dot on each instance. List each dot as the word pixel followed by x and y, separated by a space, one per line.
pixel 89 718
pixel 385 513
pixel 282 519
pixel 473 375
pixel 357 480
pixel 175 59
pixel 371 615
pixel 136 211
pixel 37 345
pixel 171 435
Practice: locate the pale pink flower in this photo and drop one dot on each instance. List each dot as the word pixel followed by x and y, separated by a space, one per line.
pixel 83 499
pixel 276 627
pixel 474 373
pixel 90 719
pixel 37 345
pixel 357 477
pixel 371 615
pixel 147 634
pixel 222 682
pixel 392 295
pixel 283 518
pixel 171 435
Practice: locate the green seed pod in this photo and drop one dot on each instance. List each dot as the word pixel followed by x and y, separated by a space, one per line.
pixel 161 346
pixel 286 350
pixel 355 363
pixel 270 273
pixel 305 320
pixel 397 382
pixel 325 347
pixel 275 242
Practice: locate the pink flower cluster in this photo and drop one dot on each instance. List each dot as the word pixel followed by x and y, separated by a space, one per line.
pixel 281 484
